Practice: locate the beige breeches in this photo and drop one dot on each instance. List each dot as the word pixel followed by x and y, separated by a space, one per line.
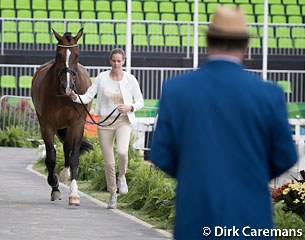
pixel 120 132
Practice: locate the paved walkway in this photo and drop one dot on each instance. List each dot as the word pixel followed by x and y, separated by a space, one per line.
pixel 27 213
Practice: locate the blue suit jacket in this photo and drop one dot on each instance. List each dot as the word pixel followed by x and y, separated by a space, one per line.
pixel 223 133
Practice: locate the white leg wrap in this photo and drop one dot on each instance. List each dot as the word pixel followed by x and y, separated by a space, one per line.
pixel 74 188
pixel 64 174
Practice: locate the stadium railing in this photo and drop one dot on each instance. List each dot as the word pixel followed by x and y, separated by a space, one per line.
pixel 150 79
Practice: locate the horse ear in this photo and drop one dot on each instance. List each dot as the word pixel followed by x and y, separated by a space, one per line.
pixel 79 34
pixel 58 37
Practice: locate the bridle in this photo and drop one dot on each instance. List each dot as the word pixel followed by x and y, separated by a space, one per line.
pixel 63 71
pixel 73 87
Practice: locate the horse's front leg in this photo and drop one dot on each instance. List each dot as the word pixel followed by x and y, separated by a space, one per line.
pixel 50 162
pixel 75 135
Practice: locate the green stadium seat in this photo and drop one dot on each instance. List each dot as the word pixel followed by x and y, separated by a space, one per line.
pixel 25 81
pixel 168 17
pixel 285 85
pixel 260 19
pixel 152 16
pixel 41 27
pixel 102 6
pixel 166 7
pixel 39 5
pixel 253 30
pixel 293 10
pixel 155 29
pixel 55 5
pixel 290 2
pixel 298 32
pixel 25 26
pixel 118 6
pixel 8 81
pixel 270 31
pixel 58 27
pixel 201 8
pixel 108 39
pixel 184 17
pixel 172 41
pixel 295 19
pixel 150 6
pixel 70 5
pixel 303 10
pixel 120 28
pixel 7 4
pixel 10 37
pixel 177 1
pixel 156 40
pixel 187 41
pixel 211 1
pixel 299 43
pixel 282 32
pixel 275 1
pixel 259 9
pixel 90 27
pixel 182 7
pixel 104 15
pixel 22 4
pixel 285 43
pixel 186 29
pixel 277 9
pixel 40 14
pixel 203 18
pixel 251 18
pixel 86 5
pixel 136 6
pixel 255 42
pixel 278 19
pixel 43 38
pixel 26 37
pixel 272 42
pixel 138 28
pixel 137 16
pixel 56 14
pixel 74 27
pixel 24 13
pixel 301 2
pixel 120 15
pixel 202 41
pixel 248 8
pixel 211 7
pixel 227 1
pixel 72 14
pixel 242 1
pixel 8 13
pixel 257 1
pixel 106 28
pixel 88 15
pixel 171 29
pixel 9 26
pixel 121 39
pixel 140 40
pixel 92 39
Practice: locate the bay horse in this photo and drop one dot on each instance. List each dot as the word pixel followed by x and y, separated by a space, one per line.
pixel 56 112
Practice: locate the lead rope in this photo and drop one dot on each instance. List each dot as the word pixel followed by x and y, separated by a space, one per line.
pixel 93 121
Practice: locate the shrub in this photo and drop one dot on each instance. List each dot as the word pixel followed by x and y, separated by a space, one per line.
pixel 14 137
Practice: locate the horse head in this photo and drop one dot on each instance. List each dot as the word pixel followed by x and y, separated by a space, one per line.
pixel 66 60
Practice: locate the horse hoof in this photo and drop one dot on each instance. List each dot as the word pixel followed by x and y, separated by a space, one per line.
pixel 55 196
pixel 74 200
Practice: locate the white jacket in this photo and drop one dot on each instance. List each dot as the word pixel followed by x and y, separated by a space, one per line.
pixel 129 87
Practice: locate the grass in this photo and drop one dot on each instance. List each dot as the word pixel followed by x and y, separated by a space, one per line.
pixel 85 187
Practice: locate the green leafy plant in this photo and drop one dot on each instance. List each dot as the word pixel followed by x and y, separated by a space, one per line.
pixel 14 137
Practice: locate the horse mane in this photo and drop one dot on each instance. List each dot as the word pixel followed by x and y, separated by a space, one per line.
pixel 68 36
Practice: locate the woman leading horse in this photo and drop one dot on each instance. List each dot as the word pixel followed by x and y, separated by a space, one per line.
pixel 57 114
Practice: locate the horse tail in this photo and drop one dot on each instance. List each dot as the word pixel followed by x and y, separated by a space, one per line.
pixel 85 146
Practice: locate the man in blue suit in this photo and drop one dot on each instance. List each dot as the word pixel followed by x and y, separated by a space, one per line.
pixel 223 133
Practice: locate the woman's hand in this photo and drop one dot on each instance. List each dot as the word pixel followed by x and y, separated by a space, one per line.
pixel 125 108
pixel 72 95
